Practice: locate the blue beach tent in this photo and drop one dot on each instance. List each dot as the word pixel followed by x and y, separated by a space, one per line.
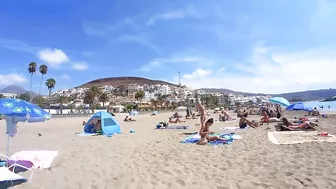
pixel 109 125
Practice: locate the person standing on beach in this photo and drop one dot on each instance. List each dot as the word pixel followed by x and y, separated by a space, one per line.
pixel 201 110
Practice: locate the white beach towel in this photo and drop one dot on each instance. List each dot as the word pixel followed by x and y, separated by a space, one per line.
pixel 296 137
pixel 87 134
pixel 233 128
pixel 41 159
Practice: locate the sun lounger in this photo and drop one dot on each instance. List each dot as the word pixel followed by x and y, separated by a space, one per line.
pixel 14 164
pixel 9 179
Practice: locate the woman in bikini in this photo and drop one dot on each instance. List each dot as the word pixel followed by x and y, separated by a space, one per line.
pixel 205 131
pixel 293 127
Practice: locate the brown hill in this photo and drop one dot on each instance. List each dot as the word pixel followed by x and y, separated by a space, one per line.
pixel 118 81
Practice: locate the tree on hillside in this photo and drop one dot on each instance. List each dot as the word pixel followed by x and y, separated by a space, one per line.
pixel 31 69
pixel 71 106
pixel 50 83
pixel 103 98
pixel 24 96
pixel 39 100
pixel 43 70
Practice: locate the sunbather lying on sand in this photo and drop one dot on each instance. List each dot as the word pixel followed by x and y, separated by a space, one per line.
pixel 177 120
pixel 294 127
pixel 127 119
pixel 244 122
pixel 205 131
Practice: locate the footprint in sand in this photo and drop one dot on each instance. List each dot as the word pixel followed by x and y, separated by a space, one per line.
pixel 289 174
pixel 181 182
pixel 167 172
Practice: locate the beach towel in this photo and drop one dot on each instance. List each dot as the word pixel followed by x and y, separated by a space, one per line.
pixel 234 128
pixel 296 137
pixel 229 138
pixel 87 134
pixel 40 159
pixel 176 127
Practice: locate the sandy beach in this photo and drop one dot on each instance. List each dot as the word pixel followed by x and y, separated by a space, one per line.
pixel 151 158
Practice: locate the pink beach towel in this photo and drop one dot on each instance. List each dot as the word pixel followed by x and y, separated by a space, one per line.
pixel 40 159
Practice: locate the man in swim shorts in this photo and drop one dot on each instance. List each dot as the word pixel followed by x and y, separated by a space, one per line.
pixel 244 122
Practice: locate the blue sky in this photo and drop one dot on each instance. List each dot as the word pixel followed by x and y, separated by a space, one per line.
pixel 254 46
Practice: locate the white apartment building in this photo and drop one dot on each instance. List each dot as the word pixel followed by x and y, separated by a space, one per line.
pixel 148 96
pixel 165 90
pixel 9 95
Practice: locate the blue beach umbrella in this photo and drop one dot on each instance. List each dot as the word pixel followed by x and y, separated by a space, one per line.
pixel 299 106
pixel 16 110
pixel 280 101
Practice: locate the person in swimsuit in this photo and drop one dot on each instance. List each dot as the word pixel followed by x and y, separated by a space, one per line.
pixel 205 131
pixel 201 110
pixel 243 122
pixel 97 127
pixel 305 125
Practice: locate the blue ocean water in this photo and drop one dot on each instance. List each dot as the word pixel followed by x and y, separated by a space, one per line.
pixel 325 105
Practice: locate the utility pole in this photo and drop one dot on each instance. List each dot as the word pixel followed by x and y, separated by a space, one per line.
pixel 180 87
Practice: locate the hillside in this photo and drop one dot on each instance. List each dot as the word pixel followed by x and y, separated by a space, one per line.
pixel 304 95
pixel 117 81
pixel 16 89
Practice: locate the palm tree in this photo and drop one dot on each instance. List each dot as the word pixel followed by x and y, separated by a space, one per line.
pixel 31 69
pixel 139 96
pixel 160 99
pixel 103 98
pixel 50 83
pixel 91 96
pixel 43 70
pixel 71 106
pixel 61 99
pixel 154 103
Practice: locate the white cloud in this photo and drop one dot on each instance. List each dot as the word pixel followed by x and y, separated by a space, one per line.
pixel 173 15
pixel 160 62
pixel 80 66
pixel 273 71
pixel 65 77
pixel 53 57
pixel 12 79
pixel 140 39
pixel 197 74
pixel 17 45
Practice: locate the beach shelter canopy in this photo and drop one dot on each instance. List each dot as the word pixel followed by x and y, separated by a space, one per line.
pixel 134 113
pixel 299 106
pixel 280 101
pixel 109 125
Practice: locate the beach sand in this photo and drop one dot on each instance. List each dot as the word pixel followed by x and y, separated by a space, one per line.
pixel 152 158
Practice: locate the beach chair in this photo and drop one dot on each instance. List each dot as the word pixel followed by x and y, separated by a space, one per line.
pixel 14 165
pixel 9 179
